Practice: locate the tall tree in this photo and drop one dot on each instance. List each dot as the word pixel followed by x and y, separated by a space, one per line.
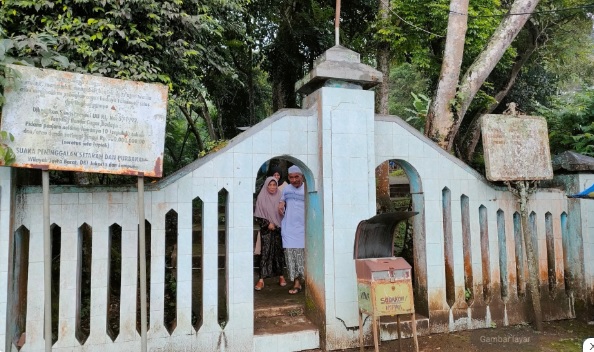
pixel 450 73
pixel 446 114
pixel 382 172
pixel 536 49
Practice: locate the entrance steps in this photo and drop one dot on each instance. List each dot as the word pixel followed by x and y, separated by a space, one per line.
pixel 279 320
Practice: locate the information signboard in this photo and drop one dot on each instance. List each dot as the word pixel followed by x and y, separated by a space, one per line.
pixel 68 121
pixel 516 148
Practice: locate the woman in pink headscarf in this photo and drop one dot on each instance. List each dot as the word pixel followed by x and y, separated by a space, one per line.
pixel 272 260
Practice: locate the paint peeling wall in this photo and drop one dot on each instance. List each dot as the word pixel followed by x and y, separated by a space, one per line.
pixel 346 125
pixel 437 171
pixel 338 142
pixel 587 213
pixel 5 197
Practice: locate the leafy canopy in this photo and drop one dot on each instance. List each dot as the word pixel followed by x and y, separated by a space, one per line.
pixel 173 42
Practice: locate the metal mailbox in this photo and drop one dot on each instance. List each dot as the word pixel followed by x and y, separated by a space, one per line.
pixel 384 286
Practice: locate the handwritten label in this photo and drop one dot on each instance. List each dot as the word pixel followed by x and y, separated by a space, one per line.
pixel 393 298
pixel 69 121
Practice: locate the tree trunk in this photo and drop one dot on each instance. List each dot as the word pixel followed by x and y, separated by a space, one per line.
pixel 533 280
pixel 382 172
pixel 383 64
pixel 286 58
pixel 220 126
pixel 192 126
pixel 440 117
pixel 250 73
pixel 206 115
pixel 474 131
pixel 482 66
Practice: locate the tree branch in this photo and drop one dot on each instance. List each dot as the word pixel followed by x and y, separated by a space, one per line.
pixel 482 66
pixel 207 118
pixel 471 138
pixel 192 126
pixel 440 117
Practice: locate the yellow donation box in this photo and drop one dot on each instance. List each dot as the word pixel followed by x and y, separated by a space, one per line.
pixel 384 286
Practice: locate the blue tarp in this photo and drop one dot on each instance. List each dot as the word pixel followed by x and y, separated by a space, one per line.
pixel 587 193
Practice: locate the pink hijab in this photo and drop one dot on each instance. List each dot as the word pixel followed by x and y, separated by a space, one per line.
pixel 267 204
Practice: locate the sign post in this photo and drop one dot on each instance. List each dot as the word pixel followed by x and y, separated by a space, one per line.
pixel 517 150
pixel 47 262
pixel 142 261
pixel 73 122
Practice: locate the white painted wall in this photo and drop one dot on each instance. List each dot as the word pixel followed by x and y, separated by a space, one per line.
pixel 352 140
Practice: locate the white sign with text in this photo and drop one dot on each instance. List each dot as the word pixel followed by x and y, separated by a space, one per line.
pixel 68 121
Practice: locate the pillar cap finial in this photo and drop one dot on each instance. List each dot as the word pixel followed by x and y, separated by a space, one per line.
pixel 339 63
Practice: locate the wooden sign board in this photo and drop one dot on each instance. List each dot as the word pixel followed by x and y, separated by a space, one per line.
pixel 516 148
pixel 68 121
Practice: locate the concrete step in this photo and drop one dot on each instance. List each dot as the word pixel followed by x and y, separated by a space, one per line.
pixel 274 300
pixel 290 309
pixel 279 323
pixel 282 324
pixel 285 333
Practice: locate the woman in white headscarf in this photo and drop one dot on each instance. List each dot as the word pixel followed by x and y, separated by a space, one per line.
pixel 272 260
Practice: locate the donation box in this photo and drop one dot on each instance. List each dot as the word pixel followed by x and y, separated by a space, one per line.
pixel 384 286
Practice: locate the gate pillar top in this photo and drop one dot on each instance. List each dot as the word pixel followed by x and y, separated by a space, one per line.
pixel 339 64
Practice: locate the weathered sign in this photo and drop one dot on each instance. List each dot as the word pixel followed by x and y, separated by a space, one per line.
pixel 384 286
pixel 386 298
pixel 68 121
pixel 516 148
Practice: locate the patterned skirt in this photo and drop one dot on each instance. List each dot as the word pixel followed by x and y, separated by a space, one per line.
pixel 272 260
pixel 295 258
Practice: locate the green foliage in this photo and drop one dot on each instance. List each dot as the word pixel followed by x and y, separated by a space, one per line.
pixel 570 122
pixel 564 60
pixel 178 43
pixel 397 173
pixel 295 32
pixel 213 146
pixel 39 53
pixel 568 52
pixel 7 156
pixel 584 142
pixel 181 149
pixel 418 115
pixel 170 42
pixel 467 294
pixel 405 79
pixel 535 87
pixel 416 31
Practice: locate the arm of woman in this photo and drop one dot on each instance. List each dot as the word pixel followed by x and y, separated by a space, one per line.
pixel 263 223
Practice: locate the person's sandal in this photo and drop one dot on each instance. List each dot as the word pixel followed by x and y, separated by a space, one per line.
pixel 282 282
pixel 259 286
pixel 295 290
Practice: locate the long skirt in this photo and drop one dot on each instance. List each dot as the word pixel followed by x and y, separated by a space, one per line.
pixel 295 258
pixel 272 259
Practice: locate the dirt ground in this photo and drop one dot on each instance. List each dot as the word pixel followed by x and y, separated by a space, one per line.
pixel 564 335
